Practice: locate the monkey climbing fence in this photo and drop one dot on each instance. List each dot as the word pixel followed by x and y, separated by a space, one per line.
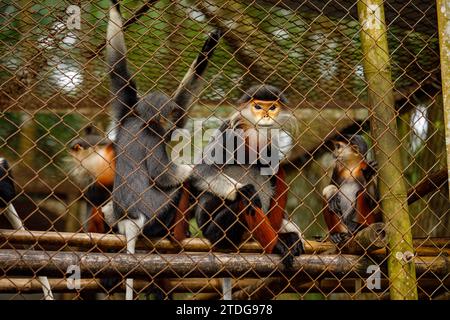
pixel 367 68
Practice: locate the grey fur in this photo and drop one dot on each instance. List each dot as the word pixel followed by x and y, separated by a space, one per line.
pixel 147 182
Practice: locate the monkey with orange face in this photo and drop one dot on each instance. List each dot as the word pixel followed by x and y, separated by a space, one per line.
pixel 94 162
pixel 236 198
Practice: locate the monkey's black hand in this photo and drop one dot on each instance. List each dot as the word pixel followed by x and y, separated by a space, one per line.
pixel 352 226
pixel 289 245
pixel 207 51
pixel 212 41
pixel 334 204
pixel 248 195
pixel 340 238
pixel 371 170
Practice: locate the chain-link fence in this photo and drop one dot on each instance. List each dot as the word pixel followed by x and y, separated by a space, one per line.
pixel 363 174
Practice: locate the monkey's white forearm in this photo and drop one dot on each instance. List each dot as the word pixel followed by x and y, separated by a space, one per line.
pixel 288 226
pixel 189 87
pixel 220 184
pixel 174 175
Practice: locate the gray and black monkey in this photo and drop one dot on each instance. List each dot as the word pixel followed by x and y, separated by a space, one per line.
pixel 236 199
pixel 147 185
pixel 7 195
pixel 351 200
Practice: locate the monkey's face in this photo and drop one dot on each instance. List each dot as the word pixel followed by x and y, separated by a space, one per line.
pixel 262 113
pixel 92 162
pixel 345 151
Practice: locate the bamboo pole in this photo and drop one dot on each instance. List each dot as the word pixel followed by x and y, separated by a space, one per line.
pixel 23 285
pixel 100 241
pixel 383 127
pixel 369 239
pixel 193 265
pixel 244 289
pixel 443 17
pixel 49 240
pixel 272 287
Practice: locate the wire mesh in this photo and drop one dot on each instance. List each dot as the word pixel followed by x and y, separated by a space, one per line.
pixel 56 124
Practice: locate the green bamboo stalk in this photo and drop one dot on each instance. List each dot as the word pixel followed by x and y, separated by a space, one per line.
pixel 402 274
pixel 443 14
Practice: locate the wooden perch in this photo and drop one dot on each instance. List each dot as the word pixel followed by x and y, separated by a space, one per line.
pixel 59 240
pixel 432 242
pixel 21 285
pixel 272 287
pixel 239 48
pixel 192 265
pixel 103 242
pixel 369 239
pixel 244 289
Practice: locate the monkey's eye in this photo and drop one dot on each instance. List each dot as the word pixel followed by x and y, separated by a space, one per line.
pixel 273 108
pixel 257 107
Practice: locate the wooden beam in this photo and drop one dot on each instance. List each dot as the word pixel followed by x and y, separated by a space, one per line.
pixel 100 241
pixel 194 265
pixel 23 285
pixel 265 289
pixel 244 289
pixel 49 240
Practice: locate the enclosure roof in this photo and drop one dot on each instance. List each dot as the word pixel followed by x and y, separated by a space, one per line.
pixel 310 49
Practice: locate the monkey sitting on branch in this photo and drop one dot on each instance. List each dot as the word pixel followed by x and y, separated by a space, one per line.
pixel 351 200
pixel 240 183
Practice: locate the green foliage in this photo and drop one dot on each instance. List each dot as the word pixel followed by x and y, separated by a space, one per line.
pixel 9 129
pixel 52 134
